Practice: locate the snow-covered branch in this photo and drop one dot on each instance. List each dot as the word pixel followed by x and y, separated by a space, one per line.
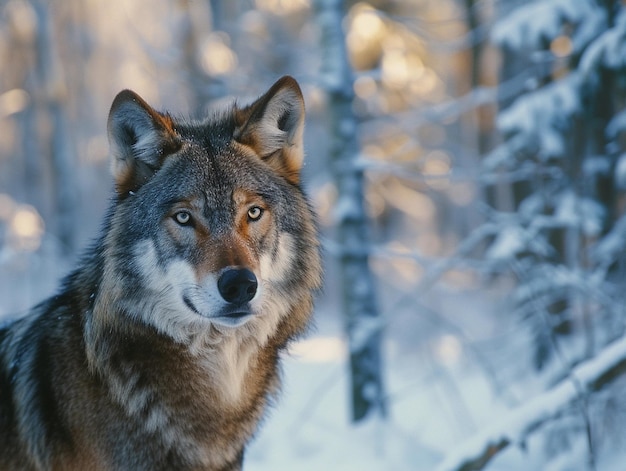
pixel 533 22
pixel 438 269
pixel 515 426
pixel 484 176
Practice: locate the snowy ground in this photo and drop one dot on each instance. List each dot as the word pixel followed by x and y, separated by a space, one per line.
pixel 309 428
pixel 439 397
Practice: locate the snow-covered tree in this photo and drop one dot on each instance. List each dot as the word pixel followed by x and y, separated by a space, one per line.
pixel 563 239
pixel 562 139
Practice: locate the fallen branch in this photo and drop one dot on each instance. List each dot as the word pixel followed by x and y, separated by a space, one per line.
pixel 515 426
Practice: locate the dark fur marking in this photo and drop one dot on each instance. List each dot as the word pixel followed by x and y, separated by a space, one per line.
pixel 7 413
pixel 45 398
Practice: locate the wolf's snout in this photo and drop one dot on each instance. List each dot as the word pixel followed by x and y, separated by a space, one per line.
pixel 237 285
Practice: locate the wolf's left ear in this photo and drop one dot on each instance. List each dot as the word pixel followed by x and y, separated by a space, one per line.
pixel 273 126
pixel 140 139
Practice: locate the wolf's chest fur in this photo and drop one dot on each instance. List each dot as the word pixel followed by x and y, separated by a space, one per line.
pixel 200 403
pixel 161 350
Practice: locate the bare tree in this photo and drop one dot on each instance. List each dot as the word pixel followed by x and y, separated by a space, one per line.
pixel 362 319
pixel 48 87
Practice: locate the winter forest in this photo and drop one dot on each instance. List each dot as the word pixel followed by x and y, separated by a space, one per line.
pixel 467 162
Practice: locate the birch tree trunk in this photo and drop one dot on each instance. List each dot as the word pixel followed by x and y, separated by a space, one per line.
pixel 362 320
pixel 202 87
pixel 49 73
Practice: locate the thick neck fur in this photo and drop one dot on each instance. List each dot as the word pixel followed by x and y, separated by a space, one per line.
pixel 223 366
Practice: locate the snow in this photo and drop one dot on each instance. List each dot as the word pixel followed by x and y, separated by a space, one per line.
pixel 589 372
pixel 616 125
pixel 531 24
pixel 543 114
pixel 606 250
pixel 620 172
pixel 513 427
pixel 310 429
pixel 508 244
pixel 609 50
pixel 347 208
pixel 576 211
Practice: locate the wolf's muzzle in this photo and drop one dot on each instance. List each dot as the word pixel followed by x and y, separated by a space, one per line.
pixel 237 285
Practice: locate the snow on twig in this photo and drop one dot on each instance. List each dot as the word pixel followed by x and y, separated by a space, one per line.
pixel 483 177
pixel 515 426
pixel 438 269
pixel 608 49
pixel 528 25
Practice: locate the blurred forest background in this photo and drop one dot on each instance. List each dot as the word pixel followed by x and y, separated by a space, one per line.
pixel 467 161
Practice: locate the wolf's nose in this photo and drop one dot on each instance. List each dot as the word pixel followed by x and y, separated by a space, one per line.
pixel 237 285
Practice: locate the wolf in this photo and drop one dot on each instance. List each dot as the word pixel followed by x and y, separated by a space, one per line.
pixel 161 350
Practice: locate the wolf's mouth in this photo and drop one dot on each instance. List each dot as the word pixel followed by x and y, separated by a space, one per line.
pixel 233 317
pixel 236 314
pixel 229 313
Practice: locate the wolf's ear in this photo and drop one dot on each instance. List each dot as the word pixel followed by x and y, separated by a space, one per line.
pixel 140 138
pixel 273 126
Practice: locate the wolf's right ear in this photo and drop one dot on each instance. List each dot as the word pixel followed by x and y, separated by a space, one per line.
pixel 272 128
pixel 139 138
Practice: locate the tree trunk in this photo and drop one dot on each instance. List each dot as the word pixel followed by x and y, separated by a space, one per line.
pixel 362 319
pixel 52 84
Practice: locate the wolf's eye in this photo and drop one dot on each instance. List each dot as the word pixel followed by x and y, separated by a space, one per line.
pixel 254 213
pixel 183 218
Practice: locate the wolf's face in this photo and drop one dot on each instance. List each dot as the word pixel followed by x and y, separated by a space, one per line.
pixel 210 226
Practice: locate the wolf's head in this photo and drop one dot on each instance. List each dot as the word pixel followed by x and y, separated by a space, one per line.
pixel 210 227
